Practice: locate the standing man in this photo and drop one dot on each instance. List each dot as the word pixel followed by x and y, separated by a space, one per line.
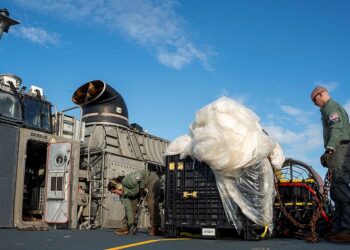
pixel 336 136
pixel 132 186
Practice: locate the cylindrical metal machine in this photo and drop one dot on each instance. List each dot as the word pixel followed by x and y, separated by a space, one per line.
pixel 111 147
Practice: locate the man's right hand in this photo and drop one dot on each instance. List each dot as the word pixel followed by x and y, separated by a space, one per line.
pixel 326 157
pixel 143 192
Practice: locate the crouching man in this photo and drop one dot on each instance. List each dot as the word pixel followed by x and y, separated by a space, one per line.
pixel 132 186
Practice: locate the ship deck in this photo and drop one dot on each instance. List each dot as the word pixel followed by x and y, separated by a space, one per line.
pixel 106 239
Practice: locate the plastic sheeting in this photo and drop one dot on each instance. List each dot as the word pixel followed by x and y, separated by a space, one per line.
pixel 228 137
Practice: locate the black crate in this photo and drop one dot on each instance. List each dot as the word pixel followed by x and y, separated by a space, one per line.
pixel 193 202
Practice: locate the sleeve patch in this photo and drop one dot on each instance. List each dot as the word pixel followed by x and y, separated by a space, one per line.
pixel 137 176
pixel 334 117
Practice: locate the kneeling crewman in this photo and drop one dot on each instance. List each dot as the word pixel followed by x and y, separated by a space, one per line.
pixel 132 186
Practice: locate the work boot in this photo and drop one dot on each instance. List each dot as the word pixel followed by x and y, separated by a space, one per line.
pixel 122 231
pixel 329 235
pixel 340 237
pixel 152 231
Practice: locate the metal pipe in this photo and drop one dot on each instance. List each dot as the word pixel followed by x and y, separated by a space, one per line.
pixel 101 103
pixel 79 213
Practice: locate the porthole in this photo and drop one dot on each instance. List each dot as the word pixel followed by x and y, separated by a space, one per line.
pixel 59 160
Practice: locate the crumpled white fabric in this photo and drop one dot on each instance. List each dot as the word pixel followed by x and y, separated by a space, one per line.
pixel 181 145
pixel 277 157
pixel 228 137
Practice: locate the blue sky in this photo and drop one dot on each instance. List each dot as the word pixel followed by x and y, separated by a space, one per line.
pixel 170 58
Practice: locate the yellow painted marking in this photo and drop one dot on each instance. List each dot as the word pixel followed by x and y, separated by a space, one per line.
pixel 171 166
pixel 264 233
pixel 143 243
pixel 193 194
pixel 297 181
pixel 296 204
pixel 180 165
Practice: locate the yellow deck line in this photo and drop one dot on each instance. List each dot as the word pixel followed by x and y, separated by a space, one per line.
pixel 143 243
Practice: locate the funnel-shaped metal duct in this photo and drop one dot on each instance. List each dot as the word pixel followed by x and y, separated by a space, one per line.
pixel 101 103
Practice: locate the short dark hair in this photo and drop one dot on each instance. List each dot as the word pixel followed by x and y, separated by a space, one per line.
pixel 112 184
pixel 119 179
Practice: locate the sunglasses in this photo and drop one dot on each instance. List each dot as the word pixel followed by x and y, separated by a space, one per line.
pixel 314 99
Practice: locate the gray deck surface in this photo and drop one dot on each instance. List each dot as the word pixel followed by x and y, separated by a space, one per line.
pixel 105 239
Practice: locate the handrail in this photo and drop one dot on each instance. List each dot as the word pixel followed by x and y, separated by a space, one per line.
pixel 80 119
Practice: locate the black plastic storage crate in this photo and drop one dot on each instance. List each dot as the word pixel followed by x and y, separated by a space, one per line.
pixel 193 203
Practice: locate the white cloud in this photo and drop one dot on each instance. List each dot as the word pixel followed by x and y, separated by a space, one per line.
pixel 224 92
pixel 291 110
pixel 299 116
pixel 240 97
pixel 37 35
pixel 282 135
pixel 298 145
pixel 153 24
pixel 183 55
pixel 307 134
pixel 298 133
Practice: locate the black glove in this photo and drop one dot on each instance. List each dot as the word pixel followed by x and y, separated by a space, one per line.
pixel 142 192
pixel 326 157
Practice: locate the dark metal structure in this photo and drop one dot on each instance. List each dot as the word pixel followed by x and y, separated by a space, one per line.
pixel 54 169
pixel 8 157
